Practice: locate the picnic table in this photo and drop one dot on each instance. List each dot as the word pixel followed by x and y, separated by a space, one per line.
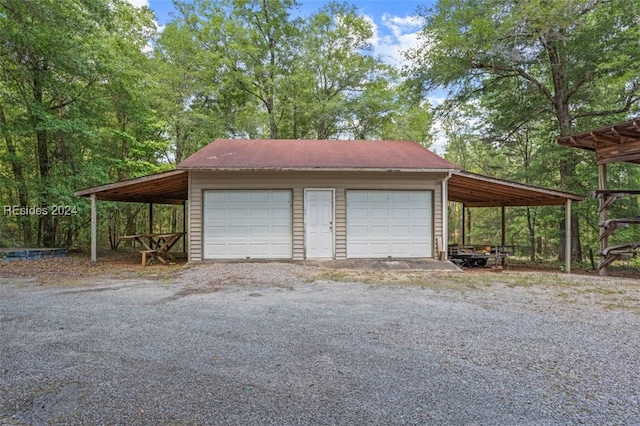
pixel 156 246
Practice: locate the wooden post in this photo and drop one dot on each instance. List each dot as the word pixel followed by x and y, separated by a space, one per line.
pixel 151 218
pixel 184 226
pixel 503 235
pixel 464 236
pixel 604 241
pixel 94 230
pixel 567 236
pixel 445 218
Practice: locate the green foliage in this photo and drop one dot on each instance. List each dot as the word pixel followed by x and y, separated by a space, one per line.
pixel 529 71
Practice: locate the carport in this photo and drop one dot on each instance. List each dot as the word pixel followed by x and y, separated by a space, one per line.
pixel 470 189
pixel 160 188
pixel 474 190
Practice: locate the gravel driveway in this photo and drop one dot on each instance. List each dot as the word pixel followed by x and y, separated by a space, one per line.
pixel 281 344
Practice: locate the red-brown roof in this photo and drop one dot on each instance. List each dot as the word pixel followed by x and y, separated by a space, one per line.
pixel 293 154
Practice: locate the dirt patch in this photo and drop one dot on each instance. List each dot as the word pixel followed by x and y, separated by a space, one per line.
pixel 76 267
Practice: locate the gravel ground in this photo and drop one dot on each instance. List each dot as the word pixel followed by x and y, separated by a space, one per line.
pixel 289 344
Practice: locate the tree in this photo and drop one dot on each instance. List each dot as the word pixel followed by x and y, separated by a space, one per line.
pixel 63 67
pixel 575 60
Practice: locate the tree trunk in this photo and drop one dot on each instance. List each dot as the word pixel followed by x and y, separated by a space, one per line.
pixel 532 235
pixel 18 174
pixel 44 163
pixel 569 161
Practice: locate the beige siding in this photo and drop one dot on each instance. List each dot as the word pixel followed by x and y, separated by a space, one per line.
pixel 341 223
pixel 200 181
pixel 298 223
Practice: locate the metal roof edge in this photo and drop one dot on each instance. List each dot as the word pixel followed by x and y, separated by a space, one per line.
pixel 318 169
pixel 92 190
pixel 568 195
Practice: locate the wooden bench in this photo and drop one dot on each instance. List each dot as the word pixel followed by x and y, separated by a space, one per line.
pixel 150 253
pixel 611 254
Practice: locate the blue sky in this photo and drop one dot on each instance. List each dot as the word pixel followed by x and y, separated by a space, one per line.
pixel 395 27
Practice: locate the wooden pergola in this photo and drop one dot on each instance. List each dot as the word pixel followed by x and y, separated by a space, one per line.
pixel 615 143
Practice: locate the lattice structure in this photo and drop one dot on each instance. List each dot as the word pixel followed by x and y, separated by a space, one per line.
pixel 617 143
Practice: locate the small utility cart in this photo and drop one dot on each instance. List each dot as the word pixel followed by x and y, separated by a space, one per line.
pixel 476 255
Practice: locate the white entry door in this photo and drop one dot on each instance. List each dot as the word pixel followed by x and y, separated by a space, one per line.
pixel 318 223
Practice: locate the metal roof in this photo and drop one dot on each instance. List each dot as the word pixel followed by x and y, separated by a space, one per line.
pixel 293 154
pixel 483 191
pixel 619 142
pixel 160 188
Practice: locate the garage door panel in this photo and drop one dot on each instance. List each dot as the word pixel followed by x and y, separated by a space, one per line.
pixel 280 213
pixel 280 231
pixel 217 197
pixel 389 223
pixel 360 196
pixel 280 250
pixel 259 197
pixel 259 231
pixel 237 196
pixel 420 214
pixel 397 213
pixel 247 224
pixel 215 231
pixel 236 231
pixel 378 197
pixel 357 213
pixel 379 231
pixel 398 249
pixel 259 214
pixel 420 231
pixel 216 214
pixel 280 196
pixel 400 197
pixel 377 213
pixel 401 231
pixel 357 231
pixel 217 249
pixel 237 213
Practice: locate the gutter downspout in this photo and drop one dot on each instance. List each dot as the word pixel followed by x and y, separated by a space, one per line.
pixel 445 216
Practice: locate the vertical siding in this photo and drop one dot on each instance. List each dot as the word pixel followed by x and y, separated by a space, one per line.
pixel 437 216
pixel 340 225
pixel 195 219
pixel 199 181
pixel 298 223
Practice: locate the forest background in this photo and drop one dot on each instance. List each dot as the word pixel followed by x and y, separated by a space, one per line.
pixel 92 92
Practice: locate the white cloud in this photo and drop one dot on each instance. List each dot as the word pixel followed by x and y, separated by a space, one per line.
pixel 139 3
pixel 394 36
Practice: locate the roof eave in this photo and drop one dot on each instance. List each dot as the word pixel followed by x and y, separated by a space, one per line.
pixel 320 169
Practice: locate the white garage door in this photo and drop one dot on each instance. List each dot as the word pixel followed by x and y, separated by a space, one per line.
pixel 389 224
pixel 247 224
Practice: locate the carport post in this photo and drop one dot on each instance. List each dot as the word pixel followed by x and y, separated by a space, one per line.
pixel 503 234
pixel 567 236
pixel 445 213
pixel 151 218
pixel 464 235
pixel 94 229
pixel 184 226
